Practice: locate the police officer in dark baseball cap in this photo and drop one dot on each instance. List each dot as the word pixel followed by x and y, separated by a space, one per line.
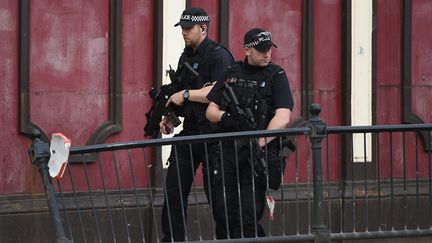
pixel 263 93
pixel 210 60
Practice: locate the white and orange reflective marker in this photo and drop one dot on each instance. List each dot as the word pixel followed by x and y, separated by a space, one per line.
pixel 59 150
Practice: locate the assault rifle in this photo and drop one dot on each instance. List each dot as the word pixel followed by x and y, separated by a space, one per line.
pixel 258 162
pixel 154 115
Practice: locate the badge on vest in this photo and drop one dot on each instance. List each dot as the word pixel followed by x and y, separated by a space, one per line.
pixel 195 66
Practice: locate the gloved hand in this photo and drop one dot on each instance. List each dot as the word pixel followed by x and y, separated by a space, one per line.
pixel 228 123
pixel 242 122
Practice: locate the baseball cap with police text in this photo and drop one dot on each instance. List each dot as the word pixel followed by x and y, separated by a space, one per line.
pixel 193 16
pixel 258 39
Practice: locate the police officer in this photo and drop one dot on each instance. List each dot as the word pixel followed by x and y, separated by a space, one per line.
pixel 209 59
pixel 262 88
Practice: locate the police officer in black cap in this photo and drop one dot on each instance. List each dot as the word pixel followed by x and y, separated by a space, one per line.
pixel 262 88
pixel 209 59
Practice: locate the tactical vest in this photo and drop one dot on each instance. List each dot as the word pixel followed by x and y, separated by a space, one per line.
pixel 198 62
pixel 254 91
pixel 193 110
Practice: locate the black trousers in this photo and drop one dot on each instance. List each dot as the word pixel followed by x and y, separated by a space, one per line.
pixel 179 178
pixel 240 196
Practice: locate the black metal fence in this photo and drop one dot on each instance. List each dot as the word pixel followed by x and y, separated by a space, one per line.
pixel 330 190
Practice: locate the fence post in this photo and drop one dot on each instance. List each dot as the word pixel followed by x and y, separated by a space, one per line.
pixel 39 155
pixel 317 133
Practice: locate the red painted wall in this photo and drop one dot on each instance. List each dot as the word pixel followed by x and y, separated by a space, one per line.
pixel 421 58
pixel 69 66
pixel 327 75
pixel 389 84
pixel 69 79
pixel 388 61
pixel 15 173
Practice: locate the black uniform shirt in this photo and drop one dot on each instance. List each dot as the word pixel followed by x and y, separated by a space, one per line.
pixel 211 64
pixel 281 92
pixel 218 61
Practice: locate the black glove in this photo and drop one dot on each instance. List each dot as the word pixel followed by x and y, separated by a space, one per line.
pixel 228 123
pixel 242 121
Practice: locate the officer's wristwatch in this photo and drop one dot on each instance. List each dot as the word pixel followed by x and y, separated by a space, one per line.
pixel 186 94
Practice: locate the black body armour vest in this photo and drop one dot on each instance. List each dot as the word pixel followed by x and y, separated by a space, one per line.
pixel 254 91
pixel 194 112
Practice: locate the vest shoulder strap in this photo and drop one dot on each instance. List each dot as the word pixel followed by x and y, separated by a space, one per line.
pixel 234 69
pixel 271 71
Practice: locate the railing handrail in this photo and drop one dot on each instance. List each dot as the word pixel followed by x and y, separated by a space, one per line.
pixel 379 128
pixel 245 134
pixel 314 128
pixel 188 139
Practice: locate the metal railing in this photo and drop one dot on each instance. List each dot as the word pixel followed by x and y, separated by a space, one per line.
pixel 116 193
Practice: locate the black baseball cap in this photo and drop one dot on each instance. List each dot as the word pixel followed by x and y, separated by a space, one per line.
pixel 259 39
pixel 193 16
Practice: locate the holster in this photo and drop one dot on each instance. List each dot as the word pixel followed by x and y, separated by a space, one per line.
pixel 277 161
pixel 276 169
